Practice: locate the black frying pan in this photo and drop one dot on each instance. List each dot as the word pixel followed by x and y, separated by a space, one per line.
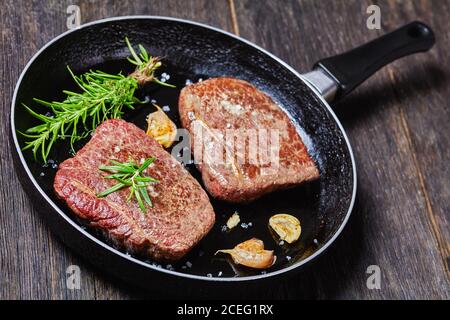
pixel 192 51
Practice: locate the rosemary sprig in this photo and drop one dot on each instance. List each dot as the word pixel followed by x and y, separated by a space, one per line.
pixel 103 96
pixel 130 174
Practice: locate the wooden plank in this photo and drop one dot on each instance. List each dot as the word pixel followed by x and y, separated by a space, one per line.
pixel 34 262
pixel 389 128
pixel 426 115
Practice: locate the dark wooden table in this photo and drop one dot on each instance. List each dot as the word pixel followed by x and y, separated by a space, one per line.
pixel 398 124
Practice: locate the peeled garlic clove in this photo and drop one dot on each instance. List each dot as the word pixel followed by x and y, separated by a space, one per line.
pixel 286 226
pixel 233 221
pixel 161 128
pixel 251 254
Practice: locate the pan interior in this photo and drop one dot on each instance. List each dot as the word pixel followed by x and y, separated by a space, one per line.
pixel 193 53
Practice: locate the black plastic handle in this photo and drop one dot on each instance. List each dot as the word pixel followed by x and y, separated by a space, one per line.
pixel 353 67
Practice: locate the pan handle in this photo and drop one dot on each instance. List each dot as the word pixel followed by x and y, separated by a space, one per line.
pixel 336 76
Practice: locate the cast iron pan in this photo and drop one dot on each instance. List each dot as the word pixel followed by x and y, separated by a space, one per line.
pixel 193 52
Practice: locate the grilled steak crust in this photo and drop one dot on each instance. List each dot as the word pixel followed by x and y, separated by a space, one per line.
pixel 181 214
pixel 221 105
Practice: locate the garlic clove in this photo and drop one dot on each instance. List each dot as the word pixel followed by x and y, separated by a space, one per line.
pixel 161 128
pixel 251 254
pixel 233 221
pixel 286 226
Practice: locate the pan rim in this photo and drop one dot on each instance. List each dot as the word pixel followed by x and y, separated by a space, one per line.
pixel 106 246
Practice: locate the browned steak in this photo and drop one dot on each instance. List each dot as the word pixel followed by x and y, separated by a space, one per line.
pixel 181 214
pixel 217 109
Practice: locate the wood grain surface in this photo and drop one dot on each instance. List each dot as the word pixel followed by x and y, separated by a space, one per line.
pixel 397 122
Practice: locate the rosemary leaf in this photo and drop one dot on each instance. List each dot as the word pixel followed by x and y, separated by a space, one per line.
pixel 146 197
pixel 139 200
pixel 130 174
pixel 115 188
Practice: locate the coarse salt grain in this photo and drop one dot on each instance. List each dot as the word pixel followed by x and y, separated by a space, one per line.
pixel 116 149
pixel 166 108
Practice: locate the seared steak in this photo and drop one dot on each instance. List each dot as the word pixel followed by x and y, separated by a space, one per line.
pixel 217 109
pixel 181 214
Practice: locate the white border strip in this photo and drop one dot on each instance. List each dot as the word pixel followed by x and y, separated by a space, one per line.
pixel 107 247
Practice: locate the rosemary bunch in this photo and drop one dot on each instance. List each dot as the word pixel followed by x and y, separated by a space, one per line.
pixel 103 96
pixel 130 174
